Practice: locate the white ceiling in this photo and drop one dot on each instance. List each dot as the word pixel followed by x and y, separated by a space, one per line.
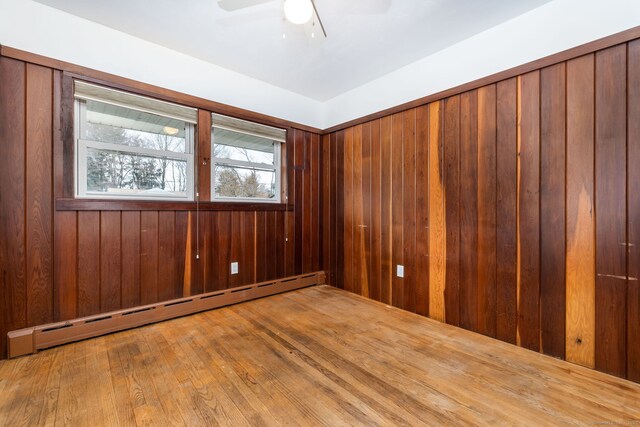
pixel 360 46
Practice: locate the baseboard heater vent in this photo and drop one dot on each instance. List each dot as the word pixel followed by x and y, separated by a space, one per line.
pixel 29 340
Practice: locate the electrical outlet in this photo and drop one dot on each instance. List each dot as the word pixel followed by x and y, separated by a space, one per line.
pixel 400 270
pixel 234 268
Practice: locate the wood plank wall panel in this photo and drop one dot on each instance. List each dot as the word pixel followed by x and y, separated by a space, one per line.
pixel 110 261
pixel 359 278
pixel 12 195
pixel 528 192
pixel 552 210
pixel 580 207
pixel 423 279
pixel 487 210
pixel 130 252
pixel 506 211
pixel 386 203
pixel 611 238
pixel 436 242
pixel 469 210
pixel 528 278
pixel 451 147
pixel 58 265
pixel 409 209
pixel 39 225
pixel 633 220
pixel 397 205
pixel 375 256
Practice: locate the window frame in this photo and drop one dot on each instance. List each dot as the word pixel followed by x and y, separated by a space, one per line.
pixel 81 146
pixel 276 168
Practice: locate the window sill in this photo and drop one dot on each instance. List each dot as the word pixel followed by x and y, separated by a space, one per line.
pixel 164 205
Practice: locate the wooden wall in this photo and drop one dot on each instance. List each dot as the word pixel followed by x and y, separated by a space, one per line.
pixel 514 208
pixel 61 264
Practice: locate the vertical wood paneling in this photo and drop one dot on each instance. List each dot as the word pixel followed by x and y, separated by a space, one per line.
pixel 130 247
pixel 204 155
pixel 386 210
pixel 224 248
pixel 316 212
pixel 422 271
pixel 261 261
pixel 195 254
pixel 307 204
pixel 611 237
pixel 208 258
pixel 149 257
pixel 397 205
pixel 633 179
pixel 517 184
pixel 182 226
pixel 88 263
pixel 552 210
pixel 409 208
pixel 452 209
pixel 39 134
pixel 333 274
pixel 278 231
pixel 340 210
pixel 366 211
pixel 65 253
pixel 299 158
pixel 248 248
pixel 487 210
pixel 580 222
pixel 110 261
pixel 58 265
pixel 236 232
pixel 326 195
pixel 469 210
pixel 436 218
pixel 360 283
pixel 347 181
pixel 529 211
pixel 167 280
pixel 506 259
pixel 375 258
pixel 12 186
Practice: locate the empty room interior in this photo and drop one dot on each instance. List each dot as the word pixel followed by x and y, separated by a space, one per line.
pixel 319 212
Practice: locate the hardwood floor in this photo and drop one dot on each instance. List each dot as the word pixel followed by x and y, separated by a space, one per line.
pixel 318 356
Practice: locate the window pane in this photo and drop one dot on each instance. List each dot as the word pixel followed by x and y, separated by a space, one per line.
pixel 240 146
pixel 112 172
pixel 120 125
pixel 244 182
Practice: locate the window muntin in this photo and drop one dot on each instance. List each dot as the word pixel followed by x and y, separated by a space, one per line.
pixel 125 152
pixel 246 161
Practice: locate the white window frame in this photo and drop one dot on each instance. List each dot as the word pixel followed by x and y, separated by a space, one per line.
pixel 276 168
pixel 80 161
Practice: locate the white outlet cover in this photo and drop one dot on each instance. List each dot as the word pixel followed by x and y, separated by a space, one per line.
pixel 400 270
pixel 234 268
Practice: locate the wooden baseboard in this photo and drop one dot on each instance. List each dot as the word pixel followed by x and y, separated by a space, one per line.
pixel 29 340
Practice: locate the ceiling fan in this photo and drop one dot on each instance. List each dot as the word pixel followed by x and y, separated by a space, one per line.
pixel 301 12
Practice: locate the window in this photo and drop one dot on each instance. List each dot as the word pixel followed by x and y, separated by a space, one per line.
pixel 246 160
pixel 129 146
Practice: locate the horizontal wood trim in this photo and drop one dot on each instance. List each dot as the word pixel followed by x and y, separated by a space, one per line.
pixel 575 52
pixel 111 80
pixel 30 340
pixel 164 205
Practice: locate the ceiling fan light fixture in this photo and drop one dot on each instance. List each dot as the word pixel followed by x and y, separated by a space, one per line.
pixel 298 11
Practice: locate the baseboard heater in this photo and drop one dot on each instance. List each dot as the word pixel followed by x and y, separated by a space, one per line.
pixel 29 340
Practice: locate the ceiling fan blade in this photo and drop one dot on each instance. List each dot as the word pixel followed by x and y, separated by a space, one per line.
pixel 231 5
